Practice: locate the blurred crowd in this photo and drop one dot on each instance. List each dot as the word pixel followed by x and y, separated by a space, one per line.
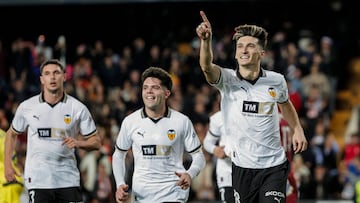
pixel 107 81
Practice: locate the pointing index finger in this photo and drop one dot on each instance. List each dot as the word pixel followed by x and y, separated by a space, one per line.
pixel 205 19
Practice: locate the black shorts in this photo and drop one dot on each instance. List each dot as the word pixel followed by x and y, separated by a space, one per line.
pixel 261 185
pixel 226 194
pixel 58 195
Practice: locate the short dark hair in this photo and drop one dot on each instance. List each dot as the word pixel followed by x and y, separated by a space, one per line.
pixel 253 31
pixel 158 73
pixel 52 61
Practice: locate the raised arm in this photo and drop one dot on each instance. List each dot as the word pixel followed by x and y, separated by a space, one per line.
pixel 204 32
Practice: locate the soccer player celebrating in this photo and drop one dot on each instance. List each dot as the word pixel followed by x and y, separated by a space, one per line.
pixel 52 120
pixel 250 96
pixel 158 136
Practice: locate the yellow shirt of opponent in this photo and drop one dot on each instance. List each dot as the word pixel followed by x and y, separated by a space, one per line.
pixel 9 192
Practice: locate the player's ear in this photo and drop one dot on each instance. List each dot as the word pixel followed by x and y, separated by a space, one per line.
pixel 263 53
pixel 41 79
pixel 167 93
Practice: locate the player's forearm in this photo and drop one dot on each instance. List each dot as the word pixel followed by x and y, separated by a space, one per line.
pixel 291 116
pixel 10 141
pixel 210 70
pixel 209 143
pixel 197 164
pixel 206 55
pixel 118 165
pixel 92 143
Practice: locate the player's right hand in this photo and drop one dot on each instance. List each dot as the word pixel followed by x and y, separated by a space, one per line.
pixel 122 193
pixel 219 152
pixel 203 30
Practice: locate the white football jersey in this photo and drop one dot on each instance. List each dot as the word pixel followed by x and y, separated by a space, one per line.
pixel 158 149
pixel 215 134
pixel 49 164
pixel 251 117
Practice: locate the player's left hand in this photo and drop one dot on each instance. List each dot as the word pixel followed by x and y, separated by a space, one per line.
pixel 122 193
pixel 70 142
pixel 184 180
pixel 299 142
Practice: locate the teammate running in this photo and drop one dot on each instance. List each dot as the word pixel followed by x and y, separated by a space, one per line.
pixel 52 120
pixel 158 136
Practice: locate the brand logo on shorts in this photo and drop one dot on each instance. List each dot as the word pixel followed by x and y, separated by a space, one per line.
pixel 277 194
pixel 277 199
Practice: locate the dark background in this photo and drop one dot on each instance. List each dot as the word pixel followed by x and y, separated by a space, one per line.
pixel 118 22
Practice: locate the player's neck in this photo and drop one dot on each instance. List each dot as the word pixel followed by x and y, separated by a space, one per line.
pixel 249 73
pixel 53 97
pixel 155 113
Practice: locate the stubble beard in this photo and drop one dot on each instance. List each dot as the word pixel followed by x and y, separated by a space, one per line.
pixel 54 91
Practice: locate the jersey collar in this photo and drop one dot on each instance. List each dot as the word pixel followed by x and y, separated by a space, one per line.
pixel 41 98
pixel 261 74
pixel 166 114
